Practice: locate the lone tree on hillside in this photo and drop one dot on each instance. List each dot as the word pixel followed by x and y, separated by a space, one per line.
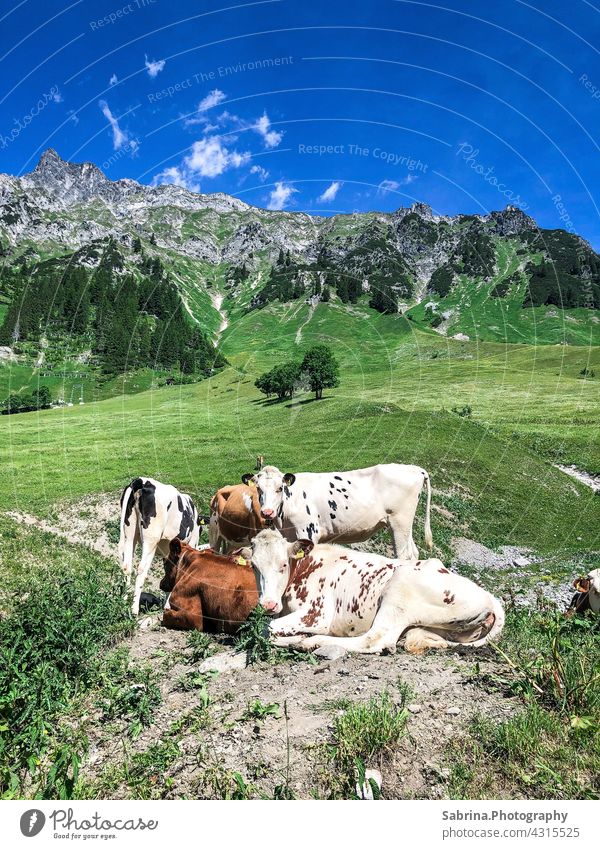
pixel 281 380
pixel 321 368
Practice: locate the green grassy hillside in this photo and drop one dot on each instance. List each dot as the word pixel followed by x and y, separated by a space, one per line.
pixel 398 385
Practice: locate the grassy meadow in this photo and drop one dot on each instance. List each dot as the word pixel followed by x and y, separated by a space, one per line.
pixel 487 419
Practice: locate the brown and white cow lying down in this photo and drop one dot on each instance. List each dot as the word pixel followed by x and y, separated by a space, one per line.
pixel 208 591
pixel 365 602
pixel 235 517
pixel 587 596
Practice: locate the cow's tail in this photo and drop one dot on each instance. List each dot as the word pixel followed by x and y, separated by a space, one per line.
pixel 427 531
pixel 128 531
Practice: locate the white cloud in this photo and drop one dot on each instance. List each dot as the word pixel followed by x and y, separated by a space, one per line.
pixel 176 176
pixel 57 96
pixel 260 172
pixel 270 137
pixel 330 193
pixel 210 158
pixel 212 99
pixel 119 136
pixel 388 186
pixel 113 80
pixel 393 185
pixel 280 196
pixel 155 66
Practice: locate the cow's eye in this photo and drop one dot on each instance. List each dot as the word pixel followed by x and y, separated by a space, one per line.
pixel 280 489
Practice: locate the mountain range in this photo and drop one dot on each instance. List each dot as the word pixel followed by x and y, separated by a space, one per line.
pixel 495 277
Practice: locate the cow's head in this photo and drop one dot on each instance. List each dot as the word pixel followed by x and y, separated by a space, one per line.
pixel 270 484
pixel 591 583
pixel 171 564
pixel 273 558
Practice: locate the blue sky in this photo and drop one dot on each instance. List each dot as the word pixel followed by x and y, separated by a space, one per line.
pixel 321 107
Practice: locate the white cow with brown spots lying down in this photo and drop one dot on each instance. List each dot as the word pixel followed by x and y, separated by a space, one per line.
pixel 365 602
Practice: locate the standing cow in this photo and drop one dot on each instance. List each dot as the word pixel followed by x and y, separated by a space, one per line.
pixel 345 506
pixel 363 602
pixel 235 517
pixel 153 513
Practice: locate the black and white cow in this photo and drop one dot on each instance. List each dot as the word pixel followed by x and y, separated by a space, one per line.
pixel 345 506
pixel 152 514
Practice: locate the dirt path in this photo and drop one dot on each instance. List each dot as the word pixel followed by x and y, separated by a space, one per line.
pixel 92 521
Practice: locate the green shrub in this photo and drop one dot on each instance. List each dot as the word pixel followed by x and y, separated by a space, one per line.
pixel 49 651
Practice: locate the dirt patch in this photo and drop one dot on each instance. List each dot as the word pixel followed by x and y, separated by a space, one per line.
pixel 471 553
pixel 593 481
pixel 447 694
pixel 92 521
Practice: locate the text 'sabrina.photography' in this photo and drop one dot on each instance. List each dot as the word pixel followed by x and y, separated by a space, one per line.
pixel 300 419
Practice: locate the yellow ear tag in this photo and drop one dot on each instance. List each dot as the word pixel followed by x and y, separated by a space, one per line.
pixel 251 483
pixel 242 560
pixel 299 554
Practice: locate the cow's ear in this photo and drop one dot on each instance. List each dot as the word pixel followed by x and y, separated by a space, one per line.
pixel 248 479
pixel 245 556
pixel 301 548
pixel 582 585
pixel 289 478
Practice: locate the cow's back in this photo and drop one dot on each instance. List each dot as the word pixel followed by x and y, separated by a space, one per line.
pixel 226 590
pixel 349 506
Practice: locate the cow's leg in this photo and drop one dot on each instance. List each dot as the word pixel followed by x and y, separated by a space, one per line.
pixel 129 539
pixel 418 640
pixel 390 622
pixel 188 619
pixel 214 538
pixel 149 547
pixel 404 544
pixel 286 642
pixel 292 627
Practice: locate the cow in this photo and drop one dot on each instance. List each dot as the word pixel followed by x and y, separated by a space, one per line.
pixel 235 517
pixel 152 514
pixel 335 596
pixel 208 591
pixel 587 596
pixel 345 507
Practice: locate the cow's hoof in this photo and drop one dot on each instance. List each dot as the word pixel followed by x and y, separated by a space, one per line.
pixel 311 643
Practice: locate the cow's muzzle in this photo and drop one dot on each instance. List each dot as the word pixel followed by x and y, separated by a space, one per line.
pixel 271 607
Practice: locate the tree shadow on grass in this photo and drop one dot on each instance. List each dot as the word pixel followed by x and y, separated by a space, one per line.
pixel 294 404
pixel 274 402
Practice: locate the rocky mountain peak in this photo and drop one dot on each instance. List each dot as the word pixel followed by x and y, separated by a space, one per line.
pixel 511 221
pixel 67 183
